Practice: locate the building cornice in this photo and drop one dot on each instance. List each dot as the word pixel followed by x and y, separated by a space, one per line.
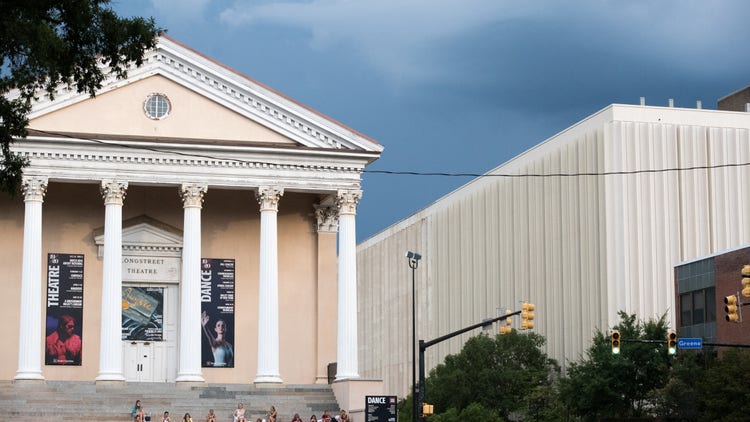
pixel 173 163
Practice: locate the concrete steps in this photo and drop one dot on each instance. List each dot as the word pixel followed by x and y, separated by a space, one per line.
pixel 87 401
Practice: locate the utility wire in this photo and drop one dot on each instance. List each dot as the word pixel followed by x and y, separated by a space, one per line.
pixel 521 175
pixel 409 173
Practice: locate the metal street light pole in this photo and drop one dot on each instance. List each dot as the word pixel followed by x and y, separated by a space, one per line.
pixel 414 258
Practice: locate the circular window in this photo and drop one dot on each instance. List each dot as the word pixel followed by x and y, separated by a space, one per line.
pixel 157 106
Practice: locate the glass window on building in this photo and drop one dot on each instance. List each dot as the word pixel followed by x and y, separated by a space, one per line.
pixel 698 307
pixel 711 304
pixel 686 309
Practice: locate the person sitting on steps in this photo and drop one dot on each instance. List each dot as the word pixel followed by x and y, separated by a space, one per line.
pixel 239 413
pixel 137 412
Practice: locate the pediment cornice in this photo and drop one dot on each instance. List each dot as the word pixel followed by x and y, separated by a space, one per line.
pixel 144 235
pixel 232 90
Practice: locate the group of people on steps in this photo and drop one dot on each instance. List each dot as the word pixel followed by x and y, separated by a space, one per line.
pixel 139 415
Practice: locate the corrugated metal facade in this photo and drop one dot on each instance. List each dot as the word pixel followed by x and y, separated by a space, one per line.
pixel 584 241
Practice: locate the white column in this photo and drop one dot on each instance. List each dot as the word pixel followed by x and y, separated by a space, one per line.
pixel 189 369
pixel 29 340
pixel 346 351
pixel 268 291
pixel 110 339
pixel 327 216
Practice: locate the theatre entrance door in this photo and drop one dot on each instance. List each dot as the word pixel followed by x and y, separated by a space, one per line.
pixel 149 332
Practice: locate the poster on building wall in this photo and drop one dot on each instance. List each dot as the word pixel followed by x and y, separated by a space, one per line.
pixel 142 313
pixel 217 313
pixel 381 408
pixel 64 332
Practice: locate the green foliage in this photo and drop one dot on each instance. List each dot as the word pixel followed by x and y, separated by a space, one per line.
pixel 499 374
pixel 544 404
pixel 603 384
pixel 724 390
pixel 680 398
pixel 404 408
pixel 473 412
pixel 703 388
pixel 47 44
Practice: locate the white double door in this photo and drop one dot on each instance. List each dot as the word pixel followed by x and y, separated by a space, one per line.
pixel 154 361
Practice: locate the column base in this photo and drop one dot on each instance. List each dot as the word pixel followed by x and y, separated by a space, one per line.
pixel 267 379
pixel 110 376
pixel 29 376
pixel 342 377
pixel 196 378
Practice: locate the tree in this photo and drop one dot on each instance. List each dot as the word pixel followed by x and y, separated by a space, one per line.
pixel 472 412
pixel 501 376
pixel 703 388
pixel 48 44
pixel 681 399
pixel 725 389
pixel 604 385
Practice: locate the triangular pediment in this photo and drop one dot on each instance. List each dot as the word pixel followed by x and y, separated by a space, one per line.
pixel 144 233
pixel 121 112
pixel 210 101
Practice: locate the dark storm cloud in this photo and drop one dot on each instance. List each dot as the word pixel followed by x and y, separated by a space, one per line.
pixel 463 86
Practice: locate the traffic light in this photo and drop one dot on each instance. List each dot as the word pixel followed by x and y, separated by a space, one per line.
pixel 506 329
pixel 527 316
pixel 672 343
pixel 746 281
pixel 426 409
pixel 615 342
pixel 732 308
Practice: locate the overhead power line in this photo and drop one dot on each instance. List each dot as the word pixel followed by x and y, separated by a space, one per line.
pixel 409 172
pixel 574 174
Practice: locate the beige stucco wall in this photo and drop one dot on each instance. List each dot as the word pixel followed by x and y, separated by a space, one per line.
pixel 230 229
pixel 11 253
pixel 192 116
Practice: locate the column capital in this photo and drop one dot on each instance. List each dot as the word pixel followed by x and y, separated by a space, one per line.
pixel 268 197
pixel 192 194
pixel 113 191
pixel 34 188
pixel 328 218
pixel 347 200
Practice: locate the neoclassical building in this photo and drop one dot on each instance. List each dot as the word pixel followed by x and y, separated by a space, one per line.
pixel 188 224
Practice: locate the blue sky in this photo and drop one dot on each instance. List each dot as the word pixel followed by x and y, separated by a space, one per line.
pixel 463 86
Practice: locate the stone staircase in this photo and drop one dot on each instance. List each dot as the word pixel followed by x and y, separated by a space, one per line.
pixel 87 401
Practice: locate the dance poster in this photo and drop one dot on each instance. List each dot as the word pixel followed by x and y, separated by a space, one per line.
pixel 143 313
pixel 217 313
pixel 64 333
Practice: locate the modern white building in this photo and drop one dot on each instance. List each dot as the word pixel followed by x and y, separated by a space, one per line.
pixel 583 225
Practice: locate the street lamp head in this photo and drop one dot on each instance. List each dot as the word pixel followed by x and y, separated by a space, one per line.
pixel 413 256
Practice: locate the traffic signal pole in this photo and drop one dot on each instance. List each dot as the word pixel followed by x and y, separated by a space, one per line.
pixel 423 345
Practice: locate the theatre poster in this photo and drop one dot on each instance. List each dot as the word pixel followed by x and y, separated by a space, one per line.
pixel 64 298
pixel 217 313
